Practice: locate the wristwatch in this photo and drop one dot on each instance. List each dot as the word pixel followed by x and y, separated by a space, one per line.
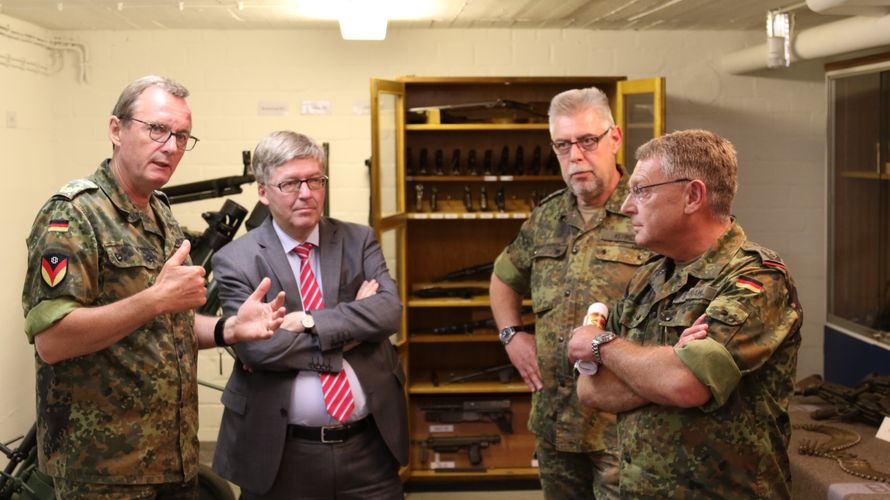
pixel 507 333
pixel 602 338
pixel 308 323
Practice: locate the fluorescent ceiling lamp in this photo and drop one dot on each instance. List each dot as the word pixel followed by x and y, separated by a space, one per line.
pixel 360 23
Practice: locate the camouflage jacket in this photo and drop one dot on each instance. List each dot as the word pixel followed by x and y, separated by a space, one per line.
pixel 735 445
pixel 567 267
pixel 127 413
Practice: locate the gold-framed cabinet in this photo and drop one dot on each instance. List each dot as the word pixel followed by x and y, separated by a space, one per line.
pixel 458 163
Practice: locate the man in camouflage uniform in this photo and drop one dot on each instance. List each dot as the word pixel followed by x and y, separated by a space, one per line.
pixel 575 249
pixel 108 299
pixel 702 369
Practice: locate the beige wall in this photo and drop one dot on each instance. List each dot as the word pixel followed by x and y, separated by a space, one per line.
pixel 777 121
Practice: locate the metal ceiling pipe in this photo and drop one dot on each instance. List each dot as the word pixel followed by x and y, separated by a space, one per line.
pixel 839 37
pixel 850 7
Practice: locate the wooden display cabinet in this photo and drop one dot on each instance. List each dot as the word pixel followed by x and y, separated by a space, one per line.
pixel 411 115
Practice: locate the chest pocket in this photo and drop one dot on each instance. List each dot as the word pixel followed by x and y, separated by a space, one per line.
pixel 548 269
pixel 131 269
pixel 127 255
pixel 621 253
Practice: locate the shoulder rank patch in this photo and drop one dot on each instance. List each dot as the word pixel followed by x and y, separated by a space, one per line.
pixel 53 268
pixel 774 263
pixel 749 284
pixel 58 226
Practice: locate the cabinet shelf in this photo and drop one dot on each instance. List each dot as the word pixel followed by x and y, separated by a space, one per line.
pixel 479 301
pixel 466 215
pixel 481 178
pixel 476 127
pixel 431 338
pixel 481 387
pixel 867 174
pixel 493 473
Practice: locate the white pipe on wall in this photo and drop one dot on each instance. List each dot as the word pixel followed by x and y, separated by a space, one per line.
pixel 840 37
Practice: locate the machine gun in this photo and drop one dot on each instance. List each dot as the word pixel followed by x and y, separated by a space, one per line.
pixel 868 402
pixel 466 272
pixel 211 188
pixel 21 477
pixel 473 445
pixel 496 411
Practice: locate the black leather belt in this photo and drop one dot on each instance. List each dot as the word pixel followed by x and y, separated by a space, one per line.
pixel 332 434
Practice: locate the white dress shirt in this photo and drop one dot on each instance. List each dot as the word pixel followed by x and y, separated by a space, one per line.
pixel 307 398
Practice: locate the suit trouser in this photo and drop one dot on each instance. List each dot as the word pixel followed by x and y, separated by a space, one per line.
pixel 361 468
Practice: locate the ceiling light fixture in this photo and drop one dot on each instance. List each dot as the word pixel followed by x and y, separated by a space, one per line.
pixel 362 20
pixel 240 5
pixel 779 25
pixel 181 6
pixel 60 6
pixel 120 6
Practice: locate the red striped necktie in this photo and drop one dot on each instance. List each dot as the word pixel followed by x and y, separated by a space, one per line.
pixel 337 395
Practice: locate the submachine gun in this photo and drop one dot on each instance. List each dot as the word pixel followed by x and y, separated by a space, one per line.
pixel 868 402
pixel 496 411
pixel 473 445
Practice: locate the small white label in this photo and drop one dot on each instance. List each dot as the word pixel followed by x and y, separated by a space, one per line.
pixel 884 430
pixel 451 215
pixel 468 215
pixel 490 178
pixel 361 108
pixel 312 107
pixel 486 215
pixel 442 465
pixel 421 215
pixel 437 215
pixel 502 215
pixel 272 108
pixel 534 462
pixel 519 215
pixel 442 428
pixel 506 177
pixel 839 491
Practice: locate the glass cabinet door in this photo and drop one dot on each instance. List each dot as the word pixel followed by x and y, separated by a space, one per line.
pixel 639 111
pixel 859 200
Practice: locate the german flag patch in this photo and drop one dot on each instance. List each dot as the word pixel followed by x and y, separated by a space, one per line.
pixel 58 226
pixel 54 268
pixel 749 284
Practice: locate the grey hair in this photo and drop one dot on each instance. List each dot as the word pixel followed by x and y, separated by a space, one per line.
pixel 126 103
pixel 281 147
pixel 698 154
pixel 574 101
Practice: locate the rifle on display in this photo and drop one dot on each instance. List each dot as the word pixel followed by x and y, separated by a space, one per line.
pixel 460 292
pixel 868 402
pixel 503 373
pixel 496 411
pixel 466 272
pixel 473 445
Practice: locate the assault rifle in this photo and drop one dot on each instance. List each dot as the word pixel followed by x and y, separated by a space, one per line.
pixel 466 272
pixel 868 402
pixel 497 411
pixel 473 445
pixel 211 188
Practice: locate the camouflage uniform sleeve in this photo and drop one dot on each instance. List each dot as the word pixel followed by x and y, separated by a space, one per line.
pixel 514 265
pixel 746 324
pixel 63 266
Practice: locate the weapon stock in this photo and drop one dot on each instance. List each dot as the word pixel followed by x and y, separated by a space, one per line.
pixel 504 374
pixel 466 272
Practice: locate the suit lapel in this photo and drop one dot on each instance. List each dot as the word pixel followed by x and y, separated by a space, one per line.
pixel 331 246
pixel 273 254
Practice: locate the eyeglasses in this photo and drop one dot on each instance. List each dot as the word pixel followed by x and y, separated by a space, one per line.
pixel 587 143
pixel 640 193
pixel 292 186
pixel 161 133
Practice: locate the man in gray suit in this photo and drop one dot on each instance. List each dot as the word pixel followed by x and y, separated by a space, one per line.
pixel 293 426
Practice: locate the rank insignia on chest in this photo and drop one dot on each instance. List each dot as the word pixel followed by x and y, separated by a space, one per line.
pixel 750 284
pixel 58 226
pixel 54 268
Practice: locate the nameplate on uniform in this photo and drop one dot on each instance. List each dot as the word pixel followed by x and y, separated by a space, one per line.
pixel 616 236
pixel 698 293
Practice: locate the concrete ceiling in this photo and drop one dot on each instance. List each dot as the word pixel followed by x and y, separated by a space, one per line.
pixel 309 14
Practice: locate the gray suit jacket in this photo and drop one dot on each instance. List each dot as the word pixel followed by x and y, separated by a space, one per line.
pixel 254 424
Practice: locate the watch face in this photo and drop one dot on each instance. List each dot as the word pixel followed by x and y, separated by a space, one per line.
pixel 308 322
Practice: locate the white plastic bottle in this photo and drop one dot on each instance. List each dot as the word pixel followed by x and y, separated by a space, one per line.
pixel 597 314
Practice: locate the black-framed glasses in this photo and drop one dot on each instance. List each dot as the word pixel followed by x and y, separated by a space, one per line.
pixel 294 185
pixel 159 132
pixel 587 143
pixel 640 193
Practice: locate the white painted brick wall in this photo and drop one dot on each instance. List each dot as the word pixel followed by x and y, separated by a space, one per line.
pixel 776 120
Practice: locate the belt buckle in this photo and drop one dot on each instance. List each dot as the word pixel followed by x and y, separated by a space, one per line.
pixel 324 438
